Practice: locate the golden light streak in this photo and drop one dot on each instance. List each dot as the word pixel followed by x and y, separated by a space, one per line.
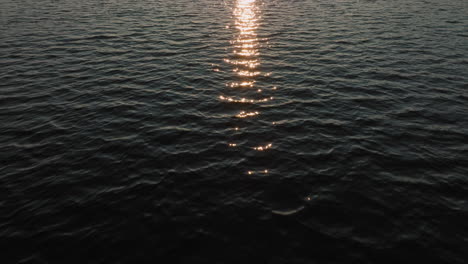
pixel 262 148
pixel 243 100
pixel 244 114
pixel 241 84
pixel 260 171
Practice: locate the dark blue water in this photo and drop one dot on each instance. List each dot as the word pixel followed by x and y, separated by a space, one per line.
pixel 240 131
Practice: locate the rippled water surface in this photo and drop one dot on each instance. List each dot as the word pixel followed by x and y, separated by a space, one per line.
pixel 240 131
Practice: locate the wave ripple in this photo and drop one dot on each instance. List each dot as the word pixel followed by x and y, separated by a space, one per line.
pixel 243 131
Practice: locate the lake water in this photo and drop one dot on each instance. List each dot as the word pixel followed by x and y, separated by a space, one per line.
pixel 241 131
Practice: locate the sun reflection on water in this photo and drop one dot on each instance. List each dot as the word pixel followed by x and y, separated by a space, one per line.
pixel 246 43
pixel 245 62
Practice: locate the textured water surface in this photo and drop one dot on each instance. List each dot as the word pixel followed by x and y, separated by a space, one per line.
pixel 240 131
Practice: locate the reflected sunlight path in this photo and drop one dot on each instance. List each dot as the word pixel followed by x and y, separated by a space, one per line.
pixel 245 63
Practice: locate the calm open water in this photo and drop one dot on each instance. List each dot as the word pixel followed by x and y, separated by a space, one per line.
pixel 235 131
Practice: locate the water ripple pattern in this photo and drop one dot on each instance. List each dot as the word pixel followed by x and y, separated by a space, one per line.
pixel 234 131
